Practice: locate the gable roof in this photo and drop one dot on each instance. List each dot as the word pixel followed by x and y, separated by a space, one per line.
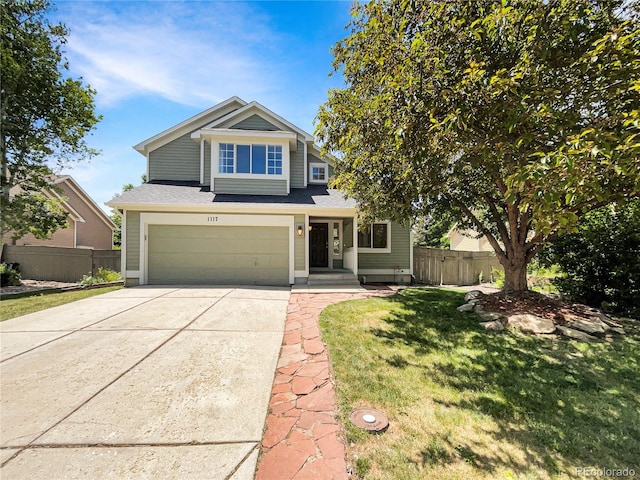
pixel 78 190
pixel 254 108
pixel 220 110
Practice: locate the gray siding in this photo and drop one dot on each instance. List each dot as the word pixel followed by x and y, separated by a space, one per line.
pixel 207 163
pixel 400 256
pixel 297 167
pixel 299 244
pixel 177 160
pixel 133 241
pixel 255 122
pixel 250 186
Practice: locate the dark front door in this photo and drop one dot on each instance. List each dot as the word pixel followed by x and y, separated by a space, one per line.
pixel 319 248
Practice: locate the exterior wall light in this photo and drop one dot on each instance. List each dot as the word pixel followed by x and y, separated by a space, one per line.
pixel 300 230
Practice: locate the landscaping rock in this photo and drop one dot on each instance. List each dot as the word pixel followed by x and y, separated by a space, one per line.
pixel 472 295
pixel 495 325
pixel 467 307
pixel 617 330
pixel 490 316
pixel 531 323
pixel 575 334
pixel 592 327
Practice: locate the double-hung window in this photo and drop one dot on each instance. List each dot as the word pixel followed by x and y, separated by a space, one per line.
pixel 252 159
pixel 376 237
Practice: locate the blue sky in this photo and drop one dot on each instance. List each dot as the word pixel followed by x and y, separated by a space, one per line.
pixel 156 63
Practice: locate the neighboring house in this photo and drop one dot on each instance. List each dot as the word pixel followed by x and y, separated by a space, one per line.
pixel 88 226
pixel 238 195
pixel 468 241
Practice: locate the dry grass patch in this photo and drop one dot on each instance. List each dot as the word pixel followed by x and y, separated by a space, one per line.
pixel 467 403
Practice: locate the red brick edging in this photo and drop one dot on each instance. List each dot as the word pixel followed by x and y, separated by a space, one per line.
pixel 303 439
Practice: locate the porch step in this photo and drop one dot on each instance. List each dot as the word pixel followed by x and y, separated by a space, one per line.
pixel 316 279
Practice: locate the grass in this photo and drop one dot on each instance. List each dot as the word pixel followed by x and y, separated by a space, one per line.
pixel 466 403
pixel 14 307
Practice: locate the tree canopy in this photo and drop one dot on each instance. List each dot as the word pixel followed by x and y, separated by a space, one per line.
pixel 45 117
pixel 517 116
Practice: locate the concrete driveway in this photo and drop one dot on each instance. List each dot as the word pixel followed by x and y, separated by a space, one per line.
pixel 146 382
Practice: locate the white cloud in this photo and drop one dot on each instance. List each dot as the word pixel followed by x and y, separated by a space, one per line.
pixel 191 53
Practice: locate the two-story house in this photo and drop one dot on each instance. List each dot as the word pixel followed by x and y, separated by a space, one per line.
pixel 239 195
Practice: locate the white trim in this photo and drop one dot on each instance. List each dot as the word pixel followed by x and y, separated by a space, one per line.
pixel 201 160
pixel 211 219
pixel 371 249
pixel 306 164
pixel 306 244
pixel 249 109
pixel 132 274
pixel 411 251
pixel 123 245
pixel 253 208
pixel 186 126
pixel 215 158
pixel 324 165
pixel 355 245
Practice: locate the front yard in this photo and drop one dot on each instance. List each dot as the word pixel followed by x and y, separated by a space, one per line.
pixel 467 403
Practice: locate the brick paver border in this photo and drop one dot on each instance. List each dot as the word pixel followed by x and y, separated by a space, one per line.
pixel 302 438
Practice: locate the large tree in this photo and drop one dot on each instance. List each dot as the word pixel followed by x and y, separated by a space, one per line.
pixel 45 117
pixel 518 116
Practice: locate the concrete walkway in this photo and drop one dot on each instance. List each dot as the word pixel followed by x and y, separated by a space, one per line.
pixel 161 382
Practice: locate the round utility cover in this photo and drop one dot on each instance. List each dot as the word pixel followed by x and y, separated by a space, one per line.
pixel 369 419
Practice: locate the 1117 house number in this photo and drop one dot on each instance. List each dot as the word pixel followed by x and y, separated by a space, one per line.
pixel 212 219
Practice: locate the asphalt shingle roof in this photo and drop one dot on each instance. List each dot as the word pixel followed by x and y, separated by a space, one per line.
pixel 183 194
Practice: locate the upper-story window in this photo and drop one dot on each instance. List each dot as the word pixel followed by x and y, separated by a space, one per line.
pixel 318 172
pixel 253 159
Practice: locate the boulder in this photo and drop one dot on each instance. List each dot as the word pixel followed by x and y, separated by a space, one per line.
pixel 592 327
pixel 495 325
pixel 490 316
pixel 472 294
pixel 575 334
pixel 529 323
pixel 467 307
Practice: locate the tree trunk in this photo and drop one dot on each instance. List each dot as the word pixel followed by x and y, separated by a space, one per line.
pixel 515 278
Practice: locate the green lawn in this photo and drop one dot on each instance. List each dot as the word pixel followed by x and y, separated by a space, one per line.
pixel 14 307
pixel 469 404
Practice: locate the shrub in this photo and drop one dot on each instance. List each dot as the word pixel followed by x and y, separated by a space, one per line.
pixel 601 261
pixel 10 275
pixel 104 275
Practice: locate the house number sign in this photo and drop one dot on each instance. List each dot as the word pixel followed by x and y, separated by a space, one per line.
pixel 213 219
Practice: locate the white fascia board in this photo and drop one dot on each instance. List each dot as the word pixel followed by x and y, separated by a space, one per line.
pixel 251 208
pixel 235 135
pixel 271 117
pixel 328 158
pixel 188 125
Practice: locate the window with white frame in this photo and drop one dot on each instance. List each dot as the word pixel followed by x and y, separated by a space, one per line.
pixel 318 173
pixel 254 159
pixel 376 236
pixel 226 158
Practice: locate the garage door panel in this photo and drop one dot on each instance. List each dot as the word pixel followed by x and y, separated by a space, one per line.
pixel 231 255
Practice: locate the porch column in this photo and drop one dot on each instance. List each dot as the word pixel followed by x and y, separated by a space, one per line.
pixel 355 245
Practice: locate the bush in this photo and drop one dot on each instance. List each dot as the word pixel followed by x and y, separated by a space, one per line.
pixel 104 275
pixel 9 275
pixel 601 261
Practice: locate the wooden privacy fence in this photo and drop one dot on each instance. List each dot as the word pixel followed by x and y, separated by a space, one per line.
pixel 60 264
pixel 435 266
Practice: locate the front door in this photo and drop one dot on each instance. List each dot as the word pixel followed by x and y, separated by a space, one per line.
pixel 319 245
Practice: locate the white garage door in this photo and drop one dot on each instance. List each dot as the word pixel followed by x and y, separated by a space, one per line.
pixel 180 254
